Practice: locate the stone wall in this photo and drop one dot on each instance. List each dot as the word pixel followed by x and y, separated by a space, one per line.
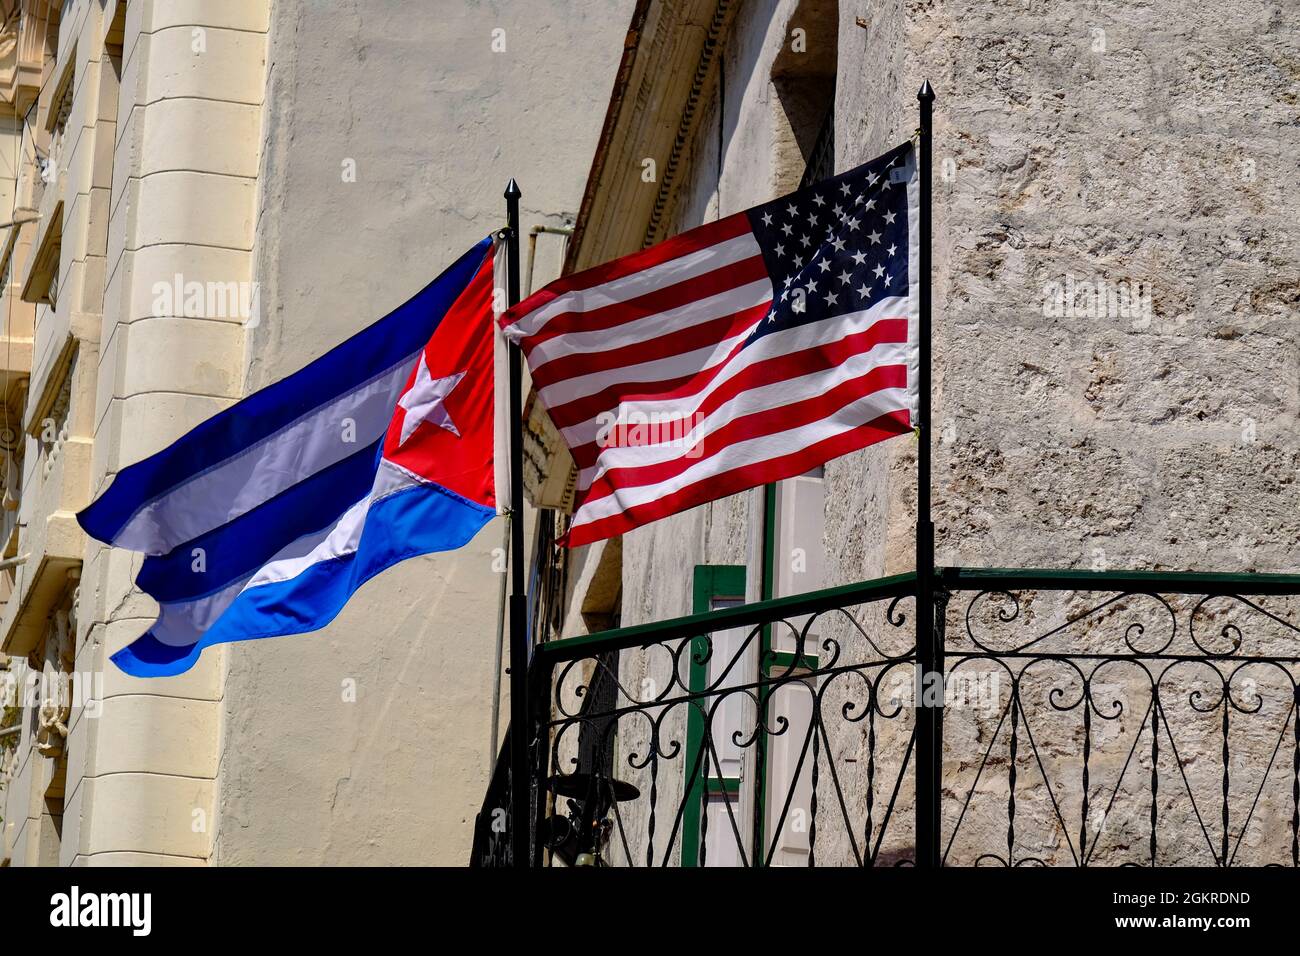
pixel 1113 144
pixel 1120 145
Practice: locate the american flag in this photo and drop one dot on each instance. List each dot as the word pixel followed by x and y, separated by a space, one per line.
pixel 744 351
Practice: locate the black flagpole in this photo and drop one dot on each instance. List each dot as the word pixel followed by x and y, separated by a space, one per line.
pixel 929 651
pixel 519 782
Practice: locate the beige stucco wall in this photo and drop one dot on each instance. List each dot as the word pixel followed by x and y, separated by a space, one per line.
pixel 183 188
pixel 412 98
pixel 156 173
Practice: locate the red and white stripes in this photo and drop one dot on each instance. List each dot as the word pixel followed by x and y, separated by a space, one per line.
pixel 669 393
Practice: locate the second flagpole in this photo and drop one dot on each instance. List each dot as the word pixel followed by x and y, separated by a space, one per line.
pixel 929 630
pixel 519 783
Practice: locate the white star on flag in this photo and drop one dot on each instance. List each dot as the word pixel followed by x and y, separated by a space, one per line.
pixel 424 401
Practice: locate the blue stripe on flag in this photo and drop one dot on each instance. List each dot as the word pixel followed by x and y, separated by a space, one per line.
pixel 414 521
pixel 341 370
pixel 237 549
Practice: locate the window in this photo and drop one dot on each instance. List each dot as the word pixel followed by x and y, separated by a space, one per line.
pixel 114 38
pixel 56 120
pixel 49 417
pixel 13 447
pixel 803 84
pixel 53 717
pixel 43 281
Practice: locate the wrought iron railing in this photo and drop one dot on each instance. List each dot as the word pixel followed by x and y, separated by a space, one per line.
pixel 1088 719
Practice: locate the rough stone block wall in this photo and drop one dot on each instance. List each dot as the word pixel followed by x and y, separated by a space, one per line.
pixel 1123 147
pixel 1144 152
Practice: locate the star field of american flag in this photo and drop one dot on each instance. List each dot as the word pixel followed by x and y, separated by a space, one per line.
pixel 837 246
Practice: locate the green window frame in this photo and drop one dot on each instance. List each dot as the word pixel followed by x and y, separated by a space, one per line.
pixel 711 582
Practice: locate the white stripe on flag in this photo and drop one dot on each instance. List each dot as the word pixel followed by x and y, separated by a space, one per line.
pixel 914 287
pixel 182 623
pixel 658 370
pixel 638 283
pixel 344 537
pixel 501 380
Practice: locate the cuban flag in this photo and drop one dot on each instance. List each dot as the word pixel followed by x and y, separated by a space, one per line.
pixel 264 519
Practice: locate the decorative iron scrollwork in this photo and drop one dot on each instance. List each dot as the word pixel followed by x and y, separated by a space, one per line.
pixel 1117 742
pixel 1144 725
